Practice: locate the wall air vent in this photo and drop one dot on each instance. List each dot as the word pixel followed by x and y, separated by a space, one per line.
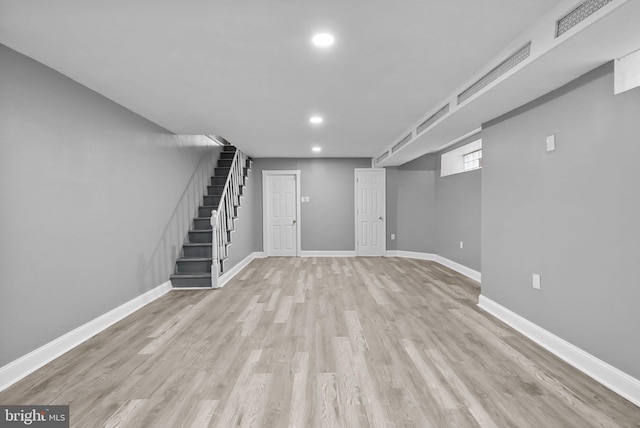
pixel 579 14
pixel 400 144
pixel 382 157
pixel 432 119
pixel 506 65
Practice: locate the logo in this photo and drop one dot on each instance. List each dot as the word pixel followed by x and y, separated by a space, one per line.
pixel 34 416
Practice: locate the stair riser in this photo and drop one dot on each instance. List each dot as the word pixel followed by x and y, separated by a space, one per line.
pixel 204 211
pixel 214 190
pixel 212 201
pixel 223 172
pixel 225 163
pixel 202 224
pixel 227 155
pixel 191 282
pixel 193 266
pixel 197 251
pixel 219 180
pixel 200 237
pixel 228 149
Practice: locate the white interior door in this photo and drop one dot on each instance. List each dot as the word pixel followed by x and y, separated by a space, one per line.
pixel 370 212
pixel 281 213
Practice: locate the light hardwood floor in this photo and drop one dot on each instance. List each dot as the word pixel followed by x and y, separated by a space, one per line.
pixel 335 342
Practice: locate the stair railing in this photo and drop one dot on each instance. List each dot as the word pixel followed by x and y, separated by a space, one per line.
pixel 222 219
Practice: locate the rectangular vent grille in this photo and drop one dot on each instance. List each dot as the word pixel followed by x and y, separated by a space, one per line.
pixel 578 15
pixel 382 157
pixel 401 143
pixel 437 115
pixel 506 65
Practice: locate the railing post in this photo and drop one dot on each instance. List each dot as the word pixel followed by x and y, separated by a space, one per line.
pixel 215 262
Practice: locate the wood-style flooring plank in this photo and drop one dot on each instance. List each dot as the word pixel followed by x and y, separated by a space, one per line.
pixel 313 342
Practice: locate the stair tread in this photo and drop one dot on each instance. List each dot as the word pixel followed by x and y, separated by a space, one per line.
pixel 191 275
pixel 194 259
pixel 196 244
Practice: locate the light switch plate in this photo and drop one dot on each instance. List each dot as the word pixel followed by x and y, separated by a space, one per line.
pixel 551 142
pixel 536 281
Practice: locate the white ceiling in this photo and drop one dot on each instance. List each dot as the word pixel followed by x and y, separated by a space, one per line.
pixel 246 70
pixel 249 73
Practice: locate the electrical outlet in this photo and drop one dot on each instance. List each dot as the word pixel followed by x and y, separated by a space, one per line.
pixel 461 245
pixel 393 236
pixel 536 281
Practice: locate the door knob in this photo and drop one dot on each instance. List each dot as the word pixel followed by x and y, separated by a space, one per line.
pixel 381 218
pixel 294 222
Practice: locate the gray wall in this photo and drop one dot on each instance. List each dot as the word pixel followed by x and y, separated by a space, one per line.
pixel 93 204
pixel 411 205
pixel 458 216
pixel 570 215
pixel 414 211
pixel 391 196
pixel 432 214
pixel 328 222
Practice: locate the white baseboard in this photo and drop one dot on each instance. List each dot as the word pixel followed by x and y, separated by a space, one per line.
pixel 411 255
pixel 228 276
pixel 27 364
pixel 609 376
pixel 468 272
pixel 327 253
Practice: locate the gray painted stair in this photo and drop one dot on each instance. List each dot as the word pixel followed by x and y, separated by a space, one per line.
pixel 193 267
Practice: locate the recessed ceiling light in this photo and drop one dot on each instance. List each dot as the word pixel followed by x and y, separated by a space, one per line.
pixel 317 149
pixel 323 40
pixel 316 120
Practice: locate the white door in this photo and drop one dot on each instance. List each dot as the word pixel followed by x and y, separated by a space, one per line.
pixel 370 212
pixel 281 213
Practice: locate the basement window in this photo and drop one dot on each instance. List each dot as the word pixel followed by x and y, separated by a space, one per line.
pixel 472 160
pixel 463 159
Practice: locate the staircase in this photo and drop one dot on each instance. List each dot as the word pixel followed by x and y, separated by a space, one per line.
pixel 203 254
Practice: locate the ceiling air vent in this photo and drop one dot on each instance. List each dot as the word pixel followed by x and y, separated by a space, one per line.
pixel 579 14
pixel 506 65
pixel 401 143
pixel 431 120
pixel 382 157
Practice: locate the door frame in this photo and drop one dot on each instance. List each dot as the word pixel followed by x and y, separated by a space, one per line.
pixel 384 203
pixel 265 191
